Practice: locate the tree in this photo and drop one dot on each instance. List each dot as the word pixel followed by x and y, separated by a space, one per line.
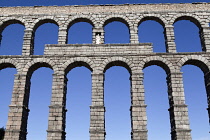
pixel 2 132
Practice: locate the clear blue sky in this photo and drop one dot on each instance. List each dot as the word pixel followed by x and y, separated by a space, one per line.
pixel 117 85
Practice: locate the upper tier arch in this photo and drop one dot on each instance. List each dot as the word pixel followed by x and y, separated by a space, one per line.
pixel 8 21
pixel 194 19
pixel 82 18
pixel 42 21
pixel 156 18
pixel 113 18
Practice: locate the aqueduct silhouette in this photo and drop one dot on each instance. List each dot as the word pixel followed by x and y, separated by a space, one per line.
pixel 134 56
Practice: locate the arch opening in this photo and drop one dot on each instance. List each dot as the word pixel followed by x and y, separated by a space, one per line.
pixel 7 72
pixel 199 64
pixel 158 63
pixel 78 102
pixel 36 66
pixel 11 37
pixel 118 63
pixel 80 32
pixel 188 18
pixel 6 65
pixel 196 99
pixel 77 64
pixel 116 31
pixel 187 32
pixel 39 96
pixel 151 30
pixel 45 32
pixel 80 20
pixel 156 98
pixel 117 102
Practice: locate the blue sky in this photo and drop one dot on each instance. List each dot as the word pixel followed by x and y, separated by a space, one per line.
pixel 117 85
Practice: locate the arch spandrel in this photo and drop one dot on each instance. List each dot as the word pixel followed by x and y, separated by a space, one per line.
pixel 8 21
pixel 193 18
pixel 156 18
pixel 77 62
pixel 81 18
pixel 159 61
pixel 195 60
pixel 36 63
pixel 117 61
pixel 112 18
pixel 40 21
pixel 10 63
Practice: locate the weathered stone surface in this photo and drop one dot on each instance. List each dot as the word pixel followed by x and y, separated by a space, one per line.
pixel 98 58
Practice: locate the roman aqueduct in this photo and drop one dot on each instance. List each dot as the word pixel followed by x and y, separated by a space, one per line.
pixel 98 57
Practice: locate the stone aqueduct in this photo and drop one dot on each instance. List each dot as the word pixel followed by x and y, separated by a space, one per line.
pixel 134 56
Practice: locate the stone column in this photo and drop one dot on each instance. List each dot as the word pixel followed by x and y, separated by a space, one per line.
pixel 134 38
pixel 62 36
pixel 207 84
pixel 170 39
pixel 138 108
pixel 28 42
pixel 57 114
pixel 98 32
pixel 97 109
pixel 180 128
pixel 16 128
pixel 205 39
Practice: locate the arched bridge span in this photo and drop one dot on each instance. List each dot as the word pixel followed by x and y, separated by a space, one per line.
pixel 98 57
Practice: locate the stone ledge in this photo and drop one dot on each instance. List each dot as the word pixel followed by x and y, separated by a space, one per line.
pixel 97 107
pixel 56 131
pixel 97 49
pixel 97 131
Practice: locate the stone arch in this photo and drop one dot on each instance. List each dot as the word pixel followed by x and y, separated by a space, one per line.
pixel 10 63
pixel 8 21
pixel 36 63
pixel 117 61
pixel 28 71
pixel 196 21
pixel 38 22
pixel 169 69
pixel 6 65
pixel 192 18
pixel 159 61
pixel 77 62
pixel 156 18
pixel 160 22
pixel 77 19
pixel 202 63
pixel 127 95
pixel 7 98
pixel 195 60
pixel 119 18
